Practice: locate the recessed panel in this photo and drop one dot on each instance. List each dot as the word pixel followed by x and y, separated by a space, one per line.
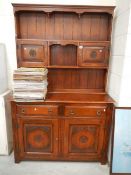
pixel 38 138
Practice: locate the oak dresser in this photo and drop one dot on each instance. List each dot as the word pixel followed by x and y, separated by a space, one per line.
pixel 74 121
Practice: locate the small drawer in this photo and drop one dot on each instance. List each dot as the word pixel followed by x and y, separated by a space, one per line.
pixel 37 110
pixel 85 111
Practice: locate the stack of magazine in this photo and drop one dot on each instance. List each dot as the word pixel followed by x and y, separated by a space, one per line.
pixel 30 83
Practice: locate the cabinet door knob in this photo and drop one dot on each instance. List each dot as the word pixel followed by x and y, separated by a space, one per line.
pixel 80 47
pixel 56 138
pixel 98 113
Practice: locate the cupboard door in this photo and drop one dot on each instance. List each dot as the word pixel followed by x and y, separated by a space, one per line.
pixel 38 138
pixel 93 54
pixel 83 139
pixel 32 53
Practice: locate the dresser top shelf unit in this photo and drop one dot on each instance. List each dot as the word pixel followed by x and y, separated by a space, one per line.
pixel 72 41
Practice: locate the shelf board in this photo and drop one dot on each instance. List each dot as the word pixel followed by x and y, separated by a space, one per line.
pixel 69 41
pixel 71 98
pixel 77 67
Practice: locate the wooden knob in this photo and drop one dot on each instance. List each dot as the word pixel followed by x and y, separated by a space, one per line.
pixel 98 113
pixel 35 109
pixel 23 111
pixel 50 110
pixel 72 112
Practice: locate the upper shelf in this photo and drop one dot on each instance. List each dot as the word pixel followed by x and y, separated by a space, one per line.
pixel 63 8
pixel 63 26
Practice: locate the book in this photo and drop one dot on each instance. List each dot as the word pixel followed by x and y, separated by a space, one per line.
pixel 30 83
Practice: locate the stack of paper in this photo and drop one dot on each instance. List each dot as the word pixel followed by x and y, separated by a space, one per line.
pixel 30 83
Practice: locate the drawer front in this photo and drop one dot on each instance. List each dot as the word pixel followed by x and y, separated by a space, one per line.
pixel 37 110
pixel 85 111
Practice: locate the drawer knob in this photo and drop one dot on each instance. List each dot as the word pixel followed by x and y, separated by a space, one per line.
pixel 50 110
pixel 98 113
pixel 56 138
pixel 72 112
pixel 35 109
pixel 23 111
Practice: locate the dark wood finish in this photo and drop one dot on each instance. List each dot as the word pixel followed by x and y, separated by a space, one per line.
pixel 93 54
pixel 83 138
pixel 85 111
pixel 63 55
pixel 38 138
pixel 37 110
pixel 78 80
pixel 90 125
pixel 37 25
pixel 32 53
pixel 73 42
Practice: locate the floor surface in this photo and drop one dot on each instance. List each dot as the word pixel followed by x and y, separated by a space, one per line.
pixel 8 167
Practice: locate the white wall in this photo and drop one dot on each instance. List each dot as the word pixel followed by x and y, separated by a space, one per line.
pixel 5 124
pixel 120 64
pixel 3 70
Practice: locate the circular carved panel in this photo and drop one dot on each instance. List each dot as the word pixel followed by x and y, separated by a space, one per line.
pixel 93 54
pixel 38 139
pixel 82 139
pixel 32 53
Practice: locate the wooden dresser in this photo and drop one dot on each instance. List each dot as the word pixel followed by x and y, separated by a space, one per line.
pixel 74 121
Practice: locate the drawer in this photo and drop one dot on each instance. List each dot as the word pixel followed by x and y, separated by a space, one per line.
pixel 85 111
pixel 37 110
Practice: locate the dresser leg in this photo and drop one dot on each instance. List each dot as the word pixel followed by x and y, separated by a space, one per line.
pixel 16 158
pixel 103 162
pixel 104 159
pixel 17 161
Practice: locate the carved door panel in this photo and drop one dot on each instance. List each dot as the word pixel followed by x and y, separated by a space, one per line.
pixel 83 138
pixel 38 139
pixel 93 54
pixel 32 53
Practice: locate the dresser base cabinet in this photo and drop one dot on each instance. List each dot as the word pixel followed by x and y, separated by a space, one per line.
pixel 73 132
